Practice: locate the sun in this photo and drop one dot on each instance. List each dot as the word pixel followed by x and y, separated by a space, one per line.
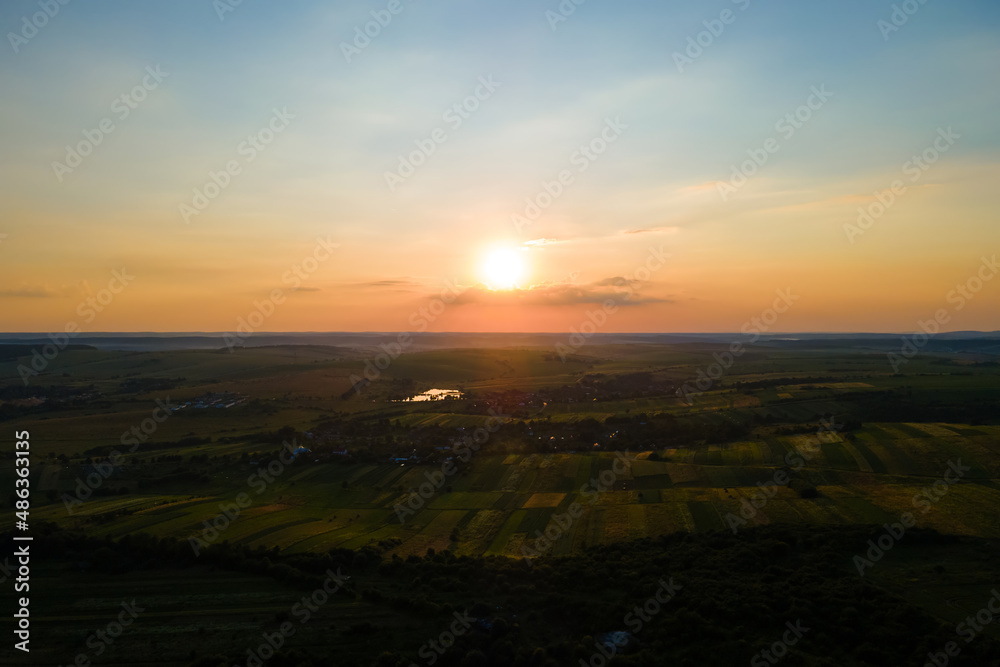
pixel 503 269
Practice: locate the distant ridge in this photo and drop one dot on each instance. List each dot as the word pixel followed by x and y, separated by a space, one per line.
pixel 140 341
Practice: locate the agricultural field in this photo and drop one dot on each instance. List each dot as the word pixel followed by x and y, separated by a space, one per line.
pixel 278 452
pixel 497 503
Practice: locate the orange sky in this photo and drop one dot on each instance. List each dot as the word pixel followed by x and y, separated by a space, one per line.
pixel 623 151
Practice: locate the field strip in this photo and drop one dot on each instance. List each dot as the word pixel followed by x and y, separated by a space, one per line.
pixel 500 542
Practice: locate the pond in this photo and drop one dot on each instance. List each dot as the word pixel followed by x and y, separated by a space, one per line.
pixel 434 395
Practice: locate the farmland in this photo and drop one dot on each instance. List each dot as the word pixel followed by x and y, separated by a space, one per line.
pixel 538 460
pixel 867 479
pixel 520 477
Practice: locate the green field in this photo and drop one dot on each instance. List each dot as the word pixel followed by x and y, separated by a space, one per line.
pixel 306 508
pixel 549 483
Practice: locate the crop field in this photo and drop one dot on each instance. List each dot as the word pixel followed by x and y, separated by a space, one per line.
pixel 306 385
pixel 750 451
pixel 498 503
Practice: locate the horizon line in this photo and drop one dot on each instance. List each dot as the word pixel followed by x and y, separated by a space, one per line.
pixel 492 333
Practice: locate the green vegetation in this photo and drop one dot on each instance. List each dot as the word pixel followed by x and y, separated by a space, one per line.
pixel 733 593
pixel 544 478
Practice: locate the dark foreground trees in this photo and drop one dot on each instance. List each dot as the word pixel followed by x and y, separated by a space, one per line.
pixel 683 599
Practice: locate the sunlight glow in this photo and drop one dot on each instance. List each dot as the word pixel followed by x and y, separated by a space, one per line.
pixel 503 269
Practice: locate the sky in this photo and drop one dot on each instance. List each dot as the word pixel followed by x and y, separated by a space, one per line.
pixel 499 166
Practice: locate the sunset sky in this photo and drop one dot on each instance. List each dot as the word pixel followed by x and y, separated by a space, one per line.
pixel 331 114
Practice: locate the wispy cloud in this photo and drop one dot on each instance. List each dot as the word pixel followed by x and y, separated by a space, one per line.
pixel 663 229
pixel 389 282
pixel 28 293
pixel 556 295
pixel 700 187
pixel 850 199
pixel 652 230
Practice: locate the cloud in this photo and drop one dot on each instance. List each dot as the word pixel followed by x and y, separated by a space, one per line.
pixel 392 282
pixel 535 243
pixel 653 230
pixel 701 187
pixel 555 295
pixel 387 283
pixel 306 289
pixel 850 199
pixel 610 282
pixel 28 293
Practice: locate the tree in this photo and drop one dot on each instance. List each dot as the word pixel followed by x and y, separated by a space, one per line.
pixel 475 658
